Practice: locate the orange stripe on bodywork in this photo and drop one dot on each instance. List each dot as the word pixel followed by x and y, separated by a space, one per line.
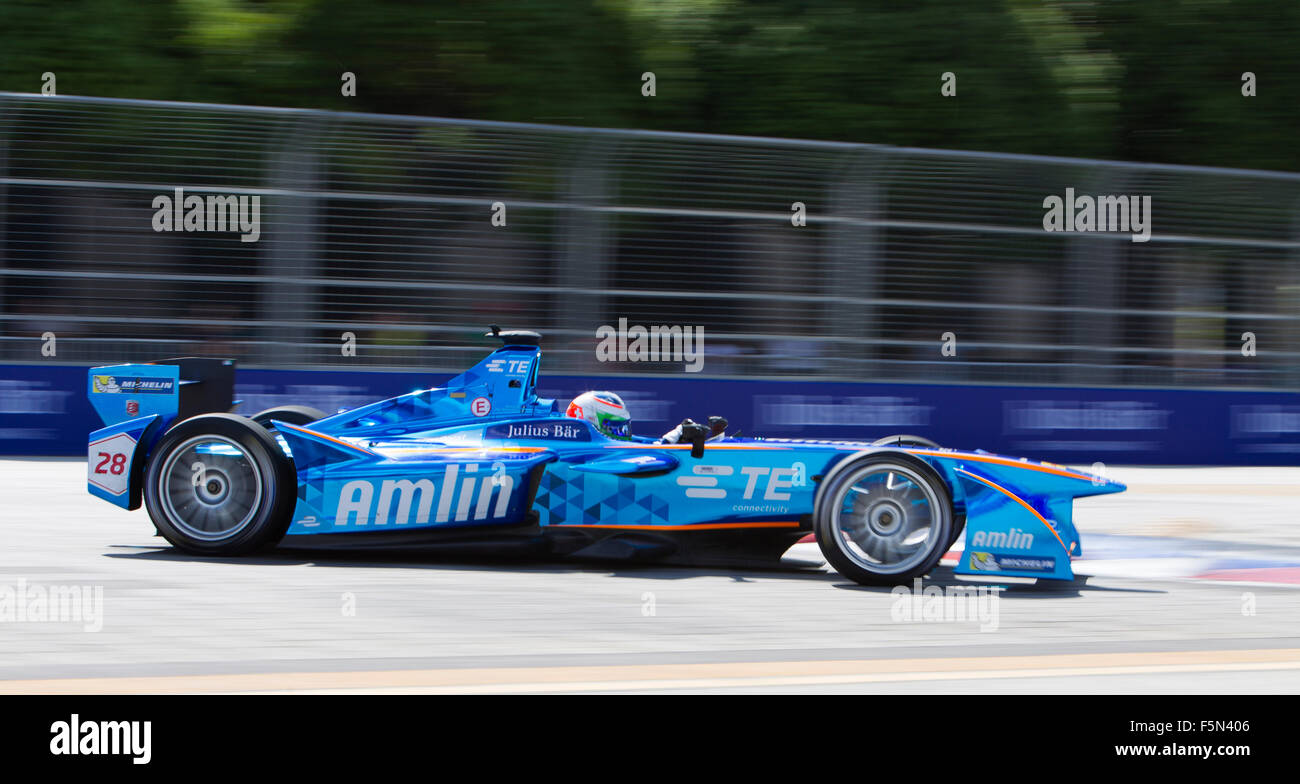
pixel 1003 461
pixel 707 447
pixel 699 527
pixel 332 439
pixel 459 449
pixel 1018 500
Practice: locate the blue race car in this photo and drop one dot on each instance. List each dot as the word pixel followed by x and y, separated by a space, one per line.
pixel 483 465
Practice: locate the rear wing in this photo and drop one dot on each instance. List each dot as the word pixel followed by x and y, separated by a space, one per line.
pixel 173 389
pixel 138 403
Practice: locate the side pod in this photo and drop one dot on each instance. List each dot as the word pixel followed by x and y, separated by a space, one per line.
pixel 348 489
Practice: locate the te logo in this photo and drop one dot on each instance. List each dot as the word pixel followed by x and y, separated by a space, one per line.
pixel 514 367
pixel 704 482
pixel 481 406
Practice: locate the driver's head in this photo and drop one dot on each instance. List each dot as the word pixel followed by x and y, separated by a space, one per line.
pixel 605 410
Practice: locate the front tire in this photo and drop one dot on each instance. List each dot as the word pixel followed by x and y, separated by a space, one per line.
pixel 884 519
pixel 219 484
pixel 906 440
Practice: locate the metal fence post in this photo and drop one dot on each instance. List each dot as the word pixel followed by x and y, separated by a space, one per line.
pixel 579 305
pixel 294 244
pixel 1290 372
pixel 853 259
pixel 6 117
pixel 1093 268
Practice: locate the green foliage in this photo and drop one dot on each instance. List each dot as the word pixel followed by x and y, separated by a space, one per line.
pixel 1180 87
pixel 1156 80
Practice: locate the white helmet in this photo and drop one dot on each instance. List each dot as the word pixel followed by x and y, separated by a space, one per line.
pixel 605 410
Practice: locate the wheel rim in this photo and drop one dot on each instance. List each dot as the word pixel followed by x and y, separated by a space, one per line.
pixel 887 518
pixel 210 487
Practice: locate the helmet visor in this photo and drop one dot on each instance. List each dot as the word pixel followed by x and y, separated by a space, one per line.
pixel 614 425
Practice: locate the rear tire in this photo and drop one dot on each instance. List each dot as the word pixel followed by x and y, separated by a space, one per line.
pixel 219 484
pixel 884 519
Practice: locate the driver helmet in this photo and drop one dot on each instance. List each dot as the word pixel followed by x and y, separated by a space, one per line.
pixel 605 410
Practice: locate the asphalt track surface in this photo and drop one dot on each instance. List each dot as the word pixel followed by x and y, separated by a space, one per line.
pixel 342 623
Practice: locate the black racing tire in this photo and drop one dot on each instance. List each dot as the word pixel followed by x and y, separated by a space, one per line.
pixel 294 415
pixel 905 440
pixel 959 525
pixel 219 484
pixel 862 549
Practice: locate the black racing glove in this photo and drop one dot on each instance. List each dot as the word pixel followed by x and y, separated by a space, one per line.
pixel 717 426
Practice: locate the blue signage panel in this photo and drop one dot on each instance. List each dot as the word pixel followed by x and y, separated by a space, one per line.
pixel 44 411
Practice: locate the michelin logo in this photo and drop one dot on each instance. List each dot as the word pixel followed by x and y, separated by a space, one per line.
pixel 993 562
pixel 405 502
pixel 117 384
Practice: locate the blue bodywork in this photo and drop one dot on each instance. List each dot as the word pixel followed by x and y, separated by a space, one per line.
pixel 485 455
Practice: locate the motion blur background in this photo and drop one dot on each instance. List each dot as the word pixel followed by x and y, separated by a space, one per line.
pixel 924 211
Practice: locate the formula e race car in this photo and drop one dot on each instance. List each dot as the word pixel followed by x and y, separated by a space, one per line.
pixel 483 465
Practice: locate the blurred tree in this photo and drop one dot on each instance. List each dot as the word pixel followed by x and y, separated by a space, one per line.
pixel 557 61
pixel 94 47
pixel 871 72
pixel 1157 80
pixel 1179 86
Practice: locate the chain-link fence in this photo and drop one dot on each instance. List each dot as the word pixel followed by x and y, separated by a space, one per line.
pixel 412 234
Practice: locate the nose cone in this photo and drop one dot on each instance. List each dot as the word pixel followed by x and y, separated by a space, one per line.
pixel 1099 485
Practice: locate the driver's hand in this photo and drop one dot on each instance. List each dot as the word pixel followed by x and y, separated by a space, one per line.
pixel 717 426
pixel 675 435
